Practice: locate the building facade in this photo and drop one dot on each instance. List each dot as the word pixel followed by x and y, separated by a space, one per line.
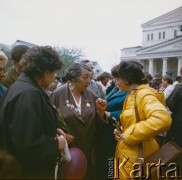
pixel 161 49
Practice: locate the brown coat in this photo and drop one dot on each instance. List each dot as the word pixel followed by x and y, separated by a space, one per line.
pixel 83 127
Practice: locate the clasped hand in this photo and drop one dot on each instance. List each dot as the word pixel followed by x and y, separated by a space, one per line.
pixel 118 133
pixel 101 104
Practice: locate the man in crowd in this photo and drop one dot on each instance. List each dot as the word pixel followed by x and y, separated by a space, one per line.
pixel 13 73
pixel 157 81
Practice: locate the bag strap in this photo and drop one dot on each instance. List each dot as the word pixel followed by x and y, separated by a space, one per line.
pixel 140 146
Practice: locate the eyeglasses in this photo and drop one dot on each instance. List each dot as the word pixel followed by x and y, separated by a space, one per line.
pixel 115 79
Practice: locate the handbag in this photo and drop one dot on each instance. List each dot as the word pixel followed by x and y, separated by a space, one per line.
pixel 166 154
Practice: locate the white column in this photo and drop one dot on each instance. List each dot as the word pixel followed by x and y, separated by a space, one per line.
pixel 164 66
pixel 179 65
pixel 151 68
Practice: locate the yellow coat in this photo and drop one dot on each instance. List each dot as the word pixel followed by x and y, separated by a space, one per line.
pixel 154 119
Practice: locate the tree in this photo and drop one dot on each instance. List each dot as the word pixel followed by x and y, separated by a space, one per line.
pixel 68 56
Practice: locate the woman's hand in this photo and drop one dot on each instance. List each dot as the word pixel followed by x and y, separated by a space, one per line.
pixel 60 132
pixel 61 142
pixel 118 133
pixel 69 138
pixel 101 104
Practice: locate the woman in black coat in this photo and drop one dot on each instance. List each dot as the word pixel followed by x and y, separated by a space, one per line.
pixel 28 124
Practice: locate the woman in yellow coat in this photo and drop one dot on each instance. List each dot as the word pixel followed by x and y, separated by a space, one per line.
pixel 153 119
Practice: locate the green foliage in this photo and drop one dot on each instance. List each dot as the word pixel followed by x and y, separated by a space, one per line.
pixel 68 56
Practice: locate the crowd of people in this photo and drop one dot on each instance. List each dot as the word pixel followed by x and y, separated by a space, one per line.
pixel 98 114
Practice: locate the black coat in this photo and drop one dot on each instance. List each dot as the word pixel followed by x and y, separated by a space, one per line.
pixel 28 127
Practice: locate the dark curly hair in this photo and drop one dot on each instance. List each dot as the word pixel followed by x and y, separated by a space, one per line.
pixel 114 71
pixel 75 70
pixel 38 59
pixel 131 71
pixel 168 79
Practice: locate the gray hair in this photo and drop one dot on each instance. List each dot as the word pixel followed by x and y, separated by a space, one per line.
pixel 75 70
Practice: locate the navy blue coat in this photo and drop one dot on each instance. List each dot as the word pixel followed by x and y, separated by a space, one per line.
pixel 107 142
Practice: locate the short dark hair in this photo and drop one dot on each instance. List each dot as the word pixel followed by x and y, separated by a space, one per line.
pixel 131 71
pixel 178 78
pixel 104 75
pixel 18 51
pixel 168 79
pixel 148 76
pixel 38 59
pixel 75 70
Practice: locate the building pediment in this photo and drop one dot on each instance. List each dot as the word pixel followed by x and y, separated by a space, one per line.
pixel 172 45
pixel 170 17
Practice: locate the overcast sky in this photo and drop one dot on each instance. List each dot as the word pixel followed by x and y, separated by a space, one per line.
pixel 99 27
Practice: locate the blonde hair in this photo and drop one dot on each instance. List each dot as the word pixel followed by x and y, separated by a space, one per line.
pixel 3 57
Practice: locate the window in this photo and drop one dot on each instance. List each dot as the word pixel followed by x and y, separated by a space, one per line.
pixel 148 37
pixel 163 35
pixel 152 37
pixel 160 35
pixel 175 33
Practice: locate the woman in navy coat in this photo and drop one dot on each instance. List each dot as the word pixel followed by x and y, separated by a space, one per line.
pixel 107 142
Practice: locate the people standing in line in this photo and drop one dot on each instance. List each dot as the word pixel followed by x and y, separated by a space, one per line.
pixel 153 117
pixel 28 122
pixel 82 111
pixel 3 62
pixel 13 73
pixel 106 140
pixel 94 86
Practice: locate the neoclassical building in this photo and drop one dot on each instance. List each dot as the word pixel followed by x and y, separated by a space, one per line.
pixel 161 49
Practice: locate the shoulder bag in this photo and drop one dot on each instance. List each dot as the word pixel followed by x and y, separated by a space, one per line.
pixel 166 154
